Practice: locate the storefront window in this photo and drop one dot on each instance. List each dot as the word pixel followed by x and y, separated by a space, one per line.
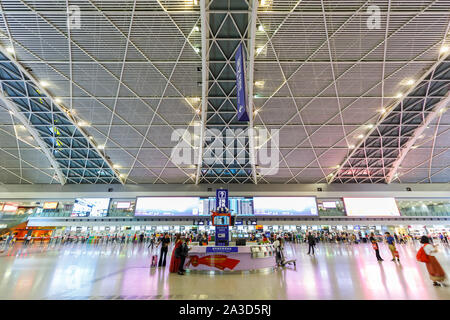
pixel 331 207
pixel 424 207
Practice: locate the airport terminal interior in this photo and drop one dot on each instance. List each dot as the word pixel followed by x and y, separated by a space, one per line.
pixel 224 150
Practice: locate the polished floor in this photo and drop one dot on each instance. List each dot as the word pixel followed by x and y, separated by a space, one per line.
pixel 112 271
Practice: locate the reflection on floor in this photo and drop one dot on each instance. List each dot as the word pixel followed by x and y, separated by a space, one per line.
pixel 113 271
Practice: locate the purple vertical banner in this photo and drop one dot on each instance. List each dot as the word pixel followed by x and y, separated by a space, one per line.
pixel 241 88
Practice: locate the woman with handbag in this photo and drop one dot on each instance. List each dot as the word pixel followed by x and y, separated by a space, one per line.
pixel 427 254
pixel 375 247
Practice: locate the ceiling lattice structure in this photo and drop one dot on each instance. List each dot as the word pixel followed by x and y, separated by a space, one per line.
pixel 70 152
pixel 132 74
pixel 227 28
pixel 377 158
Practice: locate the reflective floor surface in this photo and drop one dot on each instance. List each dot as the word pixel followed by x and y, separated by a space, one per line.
pixel 113 271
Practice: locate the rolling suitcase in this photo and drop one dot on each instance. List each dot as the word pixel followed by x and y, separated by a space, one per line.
pixel 154 261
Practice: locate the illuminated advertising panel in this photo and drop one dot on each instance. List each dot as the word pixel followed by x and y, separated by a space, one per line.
pixel 370 207
pixel 90 207
pixel 50 205
pixel 285 206
pixel 167 206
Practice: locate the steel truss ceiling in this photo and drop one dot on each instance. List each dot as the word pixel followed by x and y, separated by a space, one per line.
pixel 380 154
pixel 226 30
pixel 68 148
pixel 137 70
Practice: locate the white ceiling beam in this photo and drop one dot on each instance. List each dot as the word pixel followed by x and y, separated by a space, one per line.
pixel 204 29
pixel 250 84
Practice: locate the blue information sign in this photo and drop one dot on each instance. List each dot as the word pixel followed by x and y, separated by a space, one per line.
pixel 221 249
pixel 222 235
pixel 240 84
pixel 221 198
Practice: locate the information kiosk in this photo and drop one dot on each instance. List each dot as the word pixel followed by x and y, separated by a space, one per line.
pixel 225 256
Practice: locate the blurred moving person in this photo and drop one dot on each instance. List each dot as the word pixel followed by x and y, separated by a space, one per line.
pixel 391 244
pixel 375 247
pixel 427 254
pixel 165 241
pixel 311 243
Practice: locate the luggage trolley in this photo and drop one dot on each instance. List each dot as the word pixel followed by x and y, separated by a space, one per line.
pixel 281 259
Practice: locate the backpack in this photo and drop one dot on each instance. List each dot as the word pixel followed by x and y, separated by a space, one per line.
pixel 422 256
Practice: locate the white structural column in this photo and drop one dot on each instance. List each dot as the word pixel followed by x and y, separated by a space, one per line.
pixel 436 111
pixel 204 103
pixel 251 67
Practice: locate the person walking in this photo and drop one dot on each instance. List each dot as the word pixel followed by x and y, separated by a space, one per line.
pixel 181 253
pixel 311 243
pixel 165 241
pixel 391 244
pixel 375 247
pixel 427 255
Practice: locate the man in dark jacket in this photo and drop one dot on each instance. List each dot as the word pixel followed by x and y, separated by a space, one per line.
pixel 182 252
pixel 311 243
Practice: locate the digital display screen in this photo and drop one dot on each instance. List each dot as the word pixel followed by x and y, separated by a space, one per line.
pixel 123 205
pixel 241 206
pixel 285 206
pixel 329 204
pixel 50 205
pixel 167 206
pixel 363 207
pixel 90 207
pixel 221 220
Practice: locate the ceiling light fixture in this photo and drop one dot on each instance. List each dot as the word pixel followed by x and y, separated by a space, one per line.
pixel 259 50
pixel 196 28
pixel 360 136
pixel 444 49
pixel 399 95
pixel 197 111
pixel 58 100
pixel 83 124
pixel 197 50
pixel 101 147
pixel 44 84
pixel 370 126
pixel 382 110
pixel 410 82
pixel 10 50
pixel 259 83
pixel 117 166
pixel 414 147
pixel 352 146
pixel 260 27
pixel 11 112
